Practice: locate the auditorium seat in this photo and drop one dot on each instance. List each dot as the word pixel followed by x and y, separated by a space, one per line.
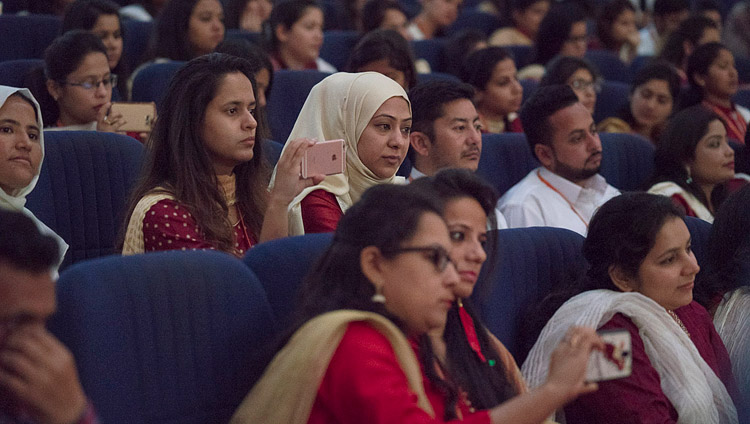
pixel 506 159
pixel 627 160
pixel 609 65
pixel 164 338
pixel 337 46
pixel 699 233
pixel 290 90
pixel 612 98
pixel 83 187
pixel 26 36
pixel 253 37
pixel 522 55
pixel 15 72
pixel 150 83
pixel 136 35
pixel 272 151
pixel 431 51
pixel 529 86
pixel 742 97
pixel 436 76
pixel 474 19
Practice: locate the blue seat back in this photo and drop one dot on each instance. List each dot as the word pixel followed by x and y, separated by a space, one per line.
pixel 150 83
pixel 474 19
pixel 14 72
pixel 506 159
pixel 171 337
pixel 290 90
pixel 529 86
pixel 522 55
pixel 281 266
pixel 699 233
pixel 431 51
pixel 611 99
pixel 337 46
pixel 27 36
pixel 83 187
pixel 627 160
pixel 253 37
pixel 742 97
pixel 135 41
pixel 272 151
pixel 609 65
pixel 436 76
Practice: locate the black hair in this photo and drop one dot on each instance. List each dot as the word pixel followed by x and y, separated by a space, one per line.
pixel 554 30
pixel 607 16
pixel 233 12
pixel 658 70
pixel 701 6
pixel 698 64
pixel 479 66
pixel 677 146
pixel 458 47
pixel 385 44
pixel 667 7
pixel 727 264
pixel 22 246
pixel 690 30
pixel 169 38
pixel 285 13
pixel 561 68
pixel 375 11
pixel 536 111
pixel 427 104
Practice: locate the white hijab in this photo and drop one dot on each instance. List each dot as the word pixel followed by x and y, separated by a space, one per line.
pixel 17 200
pixel 341 106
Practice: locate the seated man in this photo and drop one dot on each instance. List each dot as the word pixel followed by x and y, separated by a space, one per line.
pixel 38 378
pixel 567 189
pixel 667 16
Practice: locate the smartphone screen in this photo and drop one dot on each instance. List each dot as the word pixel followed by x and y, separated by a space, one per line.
pixel 617 359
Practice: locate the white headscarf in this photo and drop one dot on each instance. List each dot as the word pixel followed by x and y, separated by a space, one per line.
pixel 341 106
pixel 17 200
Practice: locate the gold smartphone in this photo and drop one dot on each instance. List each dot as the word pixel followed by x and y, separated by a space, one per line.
pixel 140 116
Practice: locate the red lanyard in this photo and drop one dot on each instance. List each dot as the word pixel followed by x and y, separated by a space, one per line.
pixel 573 208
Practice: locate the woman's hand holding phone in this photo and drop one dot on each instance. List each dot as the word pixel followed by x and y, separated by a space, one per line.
pixel 569 362
pixel 107 121
pixel 289 183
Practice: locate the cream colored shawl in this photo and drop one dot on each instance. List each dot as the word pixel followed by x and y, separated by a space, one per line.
pixel 698 395
pixel 286 392
pixel 16 201
pixel 341 106
pixel 732 321
pixel 134 243
pixel 668 188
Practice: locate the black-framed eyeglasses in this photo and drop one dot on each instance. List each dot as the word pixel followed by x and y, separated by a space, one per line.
pixel 579 84
pixel 93 85
pixel 436 254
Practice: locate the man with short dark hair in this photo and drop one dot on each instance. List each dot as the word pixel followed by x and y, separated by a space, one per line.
pixel 38 378
pixel 567 189
pixel 667 16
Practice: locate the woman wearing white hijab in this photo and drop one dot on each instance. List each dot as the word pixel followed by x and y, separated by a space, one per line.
pixel 372 113
pixel 21 153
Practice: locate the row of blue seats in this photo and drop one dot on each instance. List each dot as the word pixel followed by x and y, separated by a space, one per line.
pixel 180 337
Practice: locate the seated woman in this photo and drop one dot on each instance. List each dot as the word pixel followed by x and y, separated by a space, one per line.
pixel 692 32
pixel 296 35
pixel 616 30
pixel 101 17
pixel 652 95
pixel 492 73
pixel 21 154
pixel 386 278
pixel 372 113
pixel 386 52
pixel 713 81
pixel 525 17
pixel 247 15
pixel 725 289
pixel 385 14
pixel 694 164
pixel 204 181
pixel 75 91
pixel 640 278
pixel 579 74
pixel 433 18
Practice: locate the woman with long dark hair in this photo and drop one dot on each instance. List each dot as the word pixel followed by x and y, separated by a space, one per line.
pixel 294 32
pixel 616 30
pixel 387 52
pixel 579 74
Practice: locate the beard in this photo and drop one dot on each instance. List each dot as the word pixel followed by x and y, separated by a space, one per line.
pixel 577 174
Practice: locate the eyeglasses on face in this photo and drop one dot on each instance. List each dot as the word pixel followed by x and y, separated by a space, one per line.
pixel 93 85
pixel 437 255
pixel 580 84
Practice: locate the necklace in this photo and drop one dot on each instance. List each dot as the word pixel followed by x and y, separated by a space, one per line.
pixel 573 208
pixel 678 321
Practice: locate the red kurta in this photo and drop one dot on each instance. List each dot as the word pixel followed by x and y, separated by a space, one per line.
pixel 320 212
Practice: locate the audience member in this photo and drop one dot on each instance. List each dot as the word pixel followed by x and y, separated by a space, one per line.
pixel 101 18
pixel 296 35
pixel 616 30
pixel 525 17
pixel 579 74
pixel 737 31
pixel 434 17
pixel 388 276
pixel 186 29
pixel 385 14
pixel 561 32
pixel 46 7
pixel 204 184
pixel 22 153
pixel 387 52
pixel 693 163
pixel 711 10
pixel 567 189
pixel 492 73
pixel 713 82
pixel 459 46
pixel 667 16
pixel 372 113
pixel 247 15
pixel 640 278
pixel 652 96
pixel 724 286
pixel 38 377
pixel 143 10
pixel 692 32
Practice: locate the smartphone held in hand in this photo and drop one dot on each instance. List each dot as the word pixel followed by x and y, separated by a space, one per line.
pixel 616 361
pixel 139 117
pixel 324 157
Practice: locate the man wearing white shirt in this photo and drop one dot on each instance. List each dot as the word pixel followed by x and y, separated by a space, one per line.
pixel 567 189
pixel 667 16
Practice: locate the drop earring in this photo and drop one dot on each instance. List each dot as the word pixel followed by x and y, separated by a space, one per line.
pixel 689 179
pixel 378 297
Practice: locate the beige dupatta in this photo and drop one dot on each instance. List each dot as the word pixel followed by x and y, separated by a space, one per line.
pixel 134 243
pixel 304 360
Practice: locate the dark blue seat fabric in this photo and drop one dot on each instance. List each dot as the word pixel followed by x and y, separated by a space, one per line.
pixel 167 338
pixel 253 37
pixel 474 19
pixel 290 90
pixel 431 51
pixel 741 156
pixel 83 186
pixel 436 76
pixel 151 82
pixel 272 151
pixel 530 263
pixel 638 63
pixel 15 72
pixel 506 159
pixel 612 98
pixel 26 36
pixel 522 55
pixel 529 86
pixel 135 41
pixel 699 232
pixel 742 98
pixel 627 161
pixel 610 66
pixel 337 45
pixel 281 266
pixel 742 65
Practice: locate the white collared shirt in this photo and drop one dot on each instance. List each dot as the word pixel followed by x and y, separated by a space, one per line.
pixel 531 203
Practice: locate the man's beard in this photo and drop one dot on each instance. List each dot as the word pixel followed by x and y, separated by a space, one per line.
pixel 575 174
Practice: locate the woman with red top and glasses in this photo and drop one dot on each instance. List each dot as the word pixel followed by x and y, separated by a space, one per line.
pixel 713 81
